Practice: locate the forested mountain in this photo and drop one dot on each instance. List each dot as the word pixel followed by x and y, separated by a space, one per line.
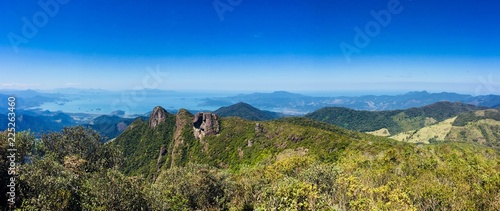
pixel 395 121
pixel 246 111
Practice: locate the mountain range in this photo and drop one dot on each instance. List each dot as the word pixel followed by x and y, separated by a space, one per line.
pixel 353 113
pixel 293 104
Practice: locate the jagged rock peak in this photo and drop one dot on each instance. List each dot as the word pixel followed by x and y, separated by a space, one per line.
pixel 158 116
pixel 205 124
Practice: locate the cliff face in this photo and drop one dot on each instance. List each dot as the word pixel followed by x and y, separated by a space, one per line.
pixel 205 124
pixel 158 116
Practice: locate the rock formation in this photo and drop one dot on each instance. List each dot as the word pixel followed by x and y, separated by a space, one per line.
pixel 158 116
pixel 182 122
pixel 205 124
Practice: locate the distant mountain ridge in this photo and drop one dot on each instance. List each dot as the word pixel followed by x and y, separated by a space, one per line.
pixel 247 112
pixel 27 98
pixel 290 103
pixel 278 101
pixel 110 126
pixel 39 123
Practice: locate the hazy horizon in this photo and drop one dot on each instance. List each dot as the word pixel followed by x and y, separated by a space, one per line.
pixel 313 93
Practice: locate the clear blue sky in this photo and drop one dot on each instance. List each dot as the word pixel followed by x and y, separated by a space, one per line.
pixel 258 46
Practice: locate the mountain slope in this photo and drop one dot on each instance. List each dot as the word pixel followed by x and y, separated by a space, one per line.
pixel 395 121
pixel 428 134
pixel 247 112
pixel 481 127
pixel 43 123
pixel 142 141
pixel 109 126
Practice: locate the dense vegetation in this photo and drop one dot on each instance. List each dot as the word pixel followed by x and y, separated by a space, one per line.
pixel 71 170
pixel 286 164
pixel 395 121
pixel 142 145
pixel 247 112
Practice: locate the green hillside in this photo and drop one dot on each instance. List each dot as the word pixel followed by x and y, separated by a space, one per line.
pixel 481 127
pixel 141 145
pixel 247 112
pixel 432 133
pixel 395 121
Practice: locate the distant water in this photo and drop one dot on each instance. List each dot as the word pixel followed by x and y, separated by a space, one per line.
pixel 130 102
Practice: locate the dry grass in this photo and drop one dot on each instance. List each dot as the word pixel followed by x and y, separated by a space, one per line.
pixel 437 131
pixel 384 132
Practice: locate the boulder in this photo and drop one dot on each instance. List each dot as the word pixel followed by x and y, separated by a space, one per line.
pixel 205 124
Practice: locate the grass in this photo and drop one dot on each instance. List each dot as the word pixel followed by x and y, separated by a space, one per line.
pixel 436 132
pixel 384 132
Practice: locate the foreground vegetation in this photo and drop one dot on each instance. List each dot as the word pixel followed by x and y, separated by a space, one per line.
pixel 288 164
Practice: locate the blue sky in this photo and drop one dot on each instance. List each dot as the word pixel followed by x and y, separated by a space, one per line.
pixel 258 46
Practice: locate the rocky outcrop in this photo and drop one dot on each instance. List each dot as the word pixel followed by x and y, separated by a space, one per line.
pixel 182 123
pixel 205 124
pixel 158 116
pixel 163 150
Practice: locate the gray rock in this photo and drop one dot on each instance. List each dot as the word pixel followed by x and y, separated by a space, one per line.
pixel 205 124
